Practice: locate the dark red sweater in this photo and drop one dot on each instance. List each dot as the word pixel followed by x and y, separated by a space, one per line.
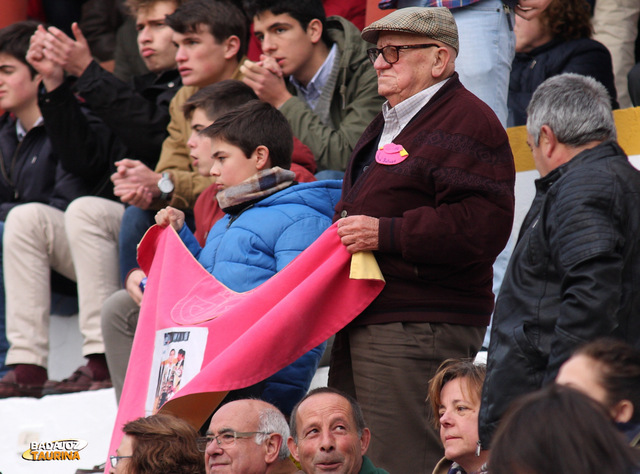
pixel 445 212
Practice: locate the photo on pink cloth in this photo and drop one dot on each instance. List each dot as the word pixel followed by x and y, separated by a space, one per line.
pixel 178 355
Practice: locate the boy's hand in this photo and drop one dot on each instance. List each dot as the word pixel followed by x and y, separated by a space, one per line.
pixel 140 197
pixel 170 216
pixel 134 178
pixel 132 285
pixel 73 56
pixel 266 79
pixel 51 72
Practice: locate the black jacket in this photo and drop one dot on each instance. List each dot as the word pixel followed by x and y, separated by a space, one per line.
pixel 137 111
pixel 132 122
pixel 573 276
pixel 528 70
pixel 30 171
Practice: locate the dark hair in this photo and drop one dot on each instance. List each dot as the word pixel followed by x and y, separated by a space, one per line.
pixel 356 411
pixel 254 124
pixel 164 443
pixel 14 41
pixel 303 11
pixel 134 6
pixel 219 98
pixel 558 429
pixel 567 19
pixel 618 367
pixel 452 369
pixel 223 18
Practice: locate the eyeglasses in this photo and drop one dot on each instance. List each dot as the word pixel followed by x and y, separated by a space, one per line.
pixel 116 459
pixel 227 438
pixel 391 54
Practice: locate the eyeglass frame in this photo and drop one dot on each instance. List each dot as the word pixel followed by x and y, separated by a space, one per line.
pixel 114 460
pixel 208 439
pixel 373 53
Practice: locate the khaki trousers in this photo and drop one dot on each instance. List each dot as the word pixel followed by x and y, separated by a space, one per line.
pixel 119 321
pixel 82 245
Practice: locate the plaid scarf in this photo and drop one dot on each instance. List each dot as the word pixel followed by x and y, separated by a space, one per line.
pixel 235 199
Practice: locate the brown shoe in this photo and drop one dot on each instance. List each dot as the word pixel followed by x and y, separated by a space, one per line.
pixel 9 387
pixel 80 381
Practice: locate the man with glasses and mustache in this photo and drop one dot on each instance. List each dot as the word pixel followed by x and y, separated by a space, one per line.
pixel 247 437
pixel 428 189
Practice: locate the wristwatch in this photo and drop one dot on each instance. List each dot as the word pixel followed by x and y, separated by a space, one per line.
pixel 166 186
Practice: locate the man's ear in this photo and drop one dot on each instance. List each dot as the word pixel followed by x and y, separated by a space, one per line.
pixel 314 30
pixel 441 62
pixel 622 411
pixel 293 447
pixel 272 446
pixel 262 156
pixel 364 440
pixel 231 47
pixel 548 141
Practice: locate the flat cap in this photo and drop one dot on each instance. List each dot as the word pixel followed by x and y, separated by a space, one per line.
pixel 433 22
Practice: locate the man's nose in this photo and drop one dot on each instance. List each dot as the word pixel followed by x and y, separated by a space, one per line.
pixel 268 45
pixel 213 448
pixel 327 442
pixel 180 54
pixel 380 63
pixel 143 35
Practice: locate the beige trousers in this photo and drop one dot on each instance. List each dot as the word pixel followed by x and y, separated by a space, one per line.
pixel 82 245
pixel 615 24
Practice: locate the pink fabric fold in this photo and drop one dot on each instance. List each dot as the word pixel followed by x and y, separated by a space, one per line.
pixel 249 336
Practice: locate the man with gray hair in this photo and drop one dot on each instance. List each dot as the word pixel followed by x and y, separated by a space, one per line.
pixel 247 437
pixel 574 272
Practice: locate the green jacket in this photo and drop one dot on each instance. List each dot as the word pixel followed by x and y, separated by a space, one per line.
pixel 369 468
pixel 354 104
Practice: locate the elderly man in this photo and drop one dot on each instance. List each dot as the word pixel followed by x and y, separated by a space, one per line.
pixel 573 274
pixel 247 437
pixel 328 434
pixel 429 189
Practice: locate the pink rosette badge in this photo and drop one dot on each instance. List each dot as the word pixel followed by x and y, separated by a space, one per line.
pixel 391 154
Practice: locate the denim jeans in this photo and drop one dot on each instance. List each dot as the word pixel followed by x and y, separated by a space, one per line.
pixel 487 48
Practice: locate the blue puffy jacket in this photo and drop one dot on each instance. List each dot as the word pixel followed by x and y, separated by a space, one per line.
pixel 245 250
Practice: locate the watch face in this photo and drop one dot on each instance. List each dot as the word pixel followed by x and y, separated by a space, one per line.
pixel 165 184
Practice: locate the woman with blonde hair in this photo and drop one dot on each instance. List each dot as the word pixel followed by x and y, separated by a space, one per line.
pixel 454 394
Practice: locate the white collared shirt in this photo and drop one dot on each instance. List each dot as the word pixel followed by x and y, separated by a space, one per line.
pixel 396 118
pixel 21 132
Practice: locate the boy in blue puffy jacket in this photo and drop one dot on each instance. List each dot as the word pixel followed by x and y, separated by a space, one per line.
pixel 269 220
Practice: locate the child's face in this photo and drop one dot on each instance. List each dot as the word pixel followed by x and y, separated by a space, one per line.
pixel 201 59
pixel 200 146
pixel 230 165
pixel 18 90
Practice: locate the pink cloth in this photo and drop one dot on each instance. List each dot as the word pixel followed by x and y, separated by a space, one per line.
pixel 250 335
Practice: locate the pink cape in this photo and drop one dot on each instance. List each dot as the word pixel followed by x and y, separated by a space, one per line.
pixel 250 335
